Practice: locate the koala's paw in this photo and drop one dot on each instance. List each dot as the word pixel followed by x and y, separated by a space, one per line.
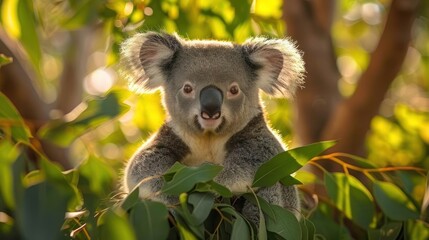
pixel 233 182
pixel 163 198
pixel 151 190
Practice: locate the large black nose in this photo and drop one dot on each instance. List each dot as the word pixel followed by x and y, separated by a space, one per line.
pixel 211 102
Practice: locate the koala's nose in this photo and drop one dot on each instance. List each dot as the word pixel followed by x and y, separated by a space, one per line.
pixel 211 102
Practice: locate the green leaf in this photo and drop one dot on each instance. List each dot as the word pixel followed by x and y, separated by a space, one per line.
pixel 185 222
pixel 425 202
pixel 390 231
pixel 186 178
pixel 284 224
pixel 277 168
pixel 417 230
pixel 326 226
pixel 202 203
pixel 99 174
pixel 350 196
pixel 99 110
pixel 131 200
pixel 114 225
pixel 183 216
pixel 9 154
pixel 54 175
pixel 213 187
pixel 262 228
pixel 307 229
pixel 18 20
pixel 42 212
pixel 306 153
pixel 289 181
pixel 261 203
pixel 149 220
pixel 185 234
pixel 4 60
pixel 240 229
pixel 262 231
pixel 393 202
pixel 169 174
pixel 9 116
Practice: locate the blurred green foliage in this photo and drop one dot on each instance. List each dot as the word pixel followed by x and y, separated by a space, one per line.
pixel 40 201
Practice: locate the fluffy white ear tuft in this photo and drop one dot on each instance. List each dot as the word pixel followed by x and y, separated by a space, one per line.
pixel 145 58
pixel 277 63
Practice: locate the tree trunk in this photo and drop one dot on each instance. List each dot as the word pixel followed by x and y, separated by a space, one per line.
pixel 322 113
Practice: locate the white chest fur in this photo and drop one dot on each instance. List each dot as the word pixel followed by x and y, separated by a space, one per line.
pixel 207 148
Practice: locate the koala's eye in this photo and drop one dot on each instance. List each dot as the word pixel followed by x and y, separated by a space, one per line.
pixel 234 90
pixel 187 89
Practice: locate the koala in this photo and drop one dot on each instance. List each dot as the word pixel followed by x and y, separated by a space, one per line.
pixel 210 91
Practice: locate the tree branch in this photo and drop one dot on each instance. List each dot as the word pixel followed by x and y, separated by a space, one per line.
pixel 75 68
pixel 17 84
pixel 351 121
pixel 309 23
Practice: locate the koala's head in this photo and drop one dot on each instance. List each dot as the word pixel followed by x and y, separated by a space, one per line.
pixel 211 86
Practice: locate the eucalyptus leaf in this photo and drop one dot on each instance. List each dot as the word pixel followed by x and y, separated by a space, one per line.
pixel 326 227
pixel 425 203
pixel 351 196
pixel 262 228
pixel 149 220
pixel 240 229
pixel 8 114
pixel 285 224
pixel 19 21
pixel 280 166
pixel 261 203
pixel 394 203
pixel 306 153
pixel 183 226
pixel 53 174
pixel 9 155
pixel 186 178
pixel 183 216
pixel 390 231
pixel 113 225
pixel 42 212
pixel 202 205
pixel 131 200
pixel 168 175
pixel 97 111
pixel 307 229
pixel 213 187
pixel 99 174
pixel 289 181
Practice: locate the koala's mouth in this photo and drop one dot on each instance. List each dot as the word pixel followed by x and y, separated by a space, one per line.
pixel 211 125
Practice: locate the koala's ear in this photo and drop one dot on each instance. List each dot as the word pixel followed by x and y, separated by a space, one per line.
pixel 277 63
pixel 146 58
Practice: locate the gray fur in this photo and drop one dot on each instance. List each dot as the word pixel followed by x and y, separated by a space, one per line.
pixel 240 140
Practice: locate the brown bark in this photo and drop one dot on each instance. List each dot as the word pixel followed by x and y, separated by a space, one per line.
pixel 17 83
pixel 70 89
pixel 351 121
pixel 323 115
pixel 309 24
